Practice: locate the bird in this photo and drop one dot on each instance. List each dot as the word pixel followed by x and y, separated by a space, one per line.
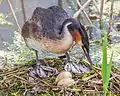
pixel 52 30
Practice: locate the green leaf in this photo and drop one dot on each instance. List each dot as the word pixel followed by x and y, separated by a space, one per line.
pixel 104 58
pixel 109 68
pixel 106 68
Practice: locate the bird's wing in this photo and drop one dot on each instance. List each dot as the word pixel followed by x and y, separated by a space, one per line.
pixel 59 15
pixel 47 22
pixel 25 30
pixel 34 25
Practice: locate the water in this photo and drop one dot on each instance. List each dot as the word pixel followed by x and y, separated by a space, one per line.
pixel 6 31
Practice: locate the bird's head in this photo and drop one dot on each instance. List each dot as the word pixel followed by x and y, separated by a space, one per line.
pixel 79 35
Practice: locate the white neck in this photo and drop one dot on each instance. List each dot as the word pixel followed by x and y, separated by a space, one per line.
pixel 65 29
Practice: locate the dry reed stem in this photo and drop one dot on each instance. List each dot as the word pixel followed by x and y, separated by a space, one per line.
pixel 23 10
pixel 111 15
pixel 14 15
pixel 78 12
pixel 78 2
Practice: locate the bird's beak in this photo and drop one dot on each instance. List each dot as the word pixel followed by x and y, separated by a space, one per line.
pixel 87 55
pixel 78 40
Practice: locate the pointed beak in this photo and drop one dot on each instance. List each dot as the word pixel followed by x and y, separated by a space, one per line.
pixel 78 39
pixel 83 43
pixel 87 55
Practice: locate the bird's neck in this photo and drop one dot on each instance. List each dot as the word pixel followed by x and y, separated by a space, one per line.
pixel 65 30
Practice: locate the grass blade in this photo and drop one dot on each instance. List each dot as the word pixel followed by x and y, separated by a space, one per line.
pixel 106 68
pixel 104 58
pixel 109 69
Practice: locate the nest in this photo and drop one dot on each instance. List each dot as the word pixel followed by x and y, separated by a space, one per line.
pixel 16 81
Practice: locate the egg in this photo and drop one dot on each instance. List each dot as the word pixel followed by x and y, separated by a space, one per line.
pixel 64 79
pixel 62 75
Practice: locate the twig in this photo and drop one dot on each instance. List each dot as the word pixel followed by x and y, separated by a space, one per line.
pixel 74 89
pixel 14 15
pixel 96 82
pixel 43 82
pixel 92 91
pixel 94 2
pixel 111 15
pixel 114 76
pixel 84 12
pixel 90 77
pixel 78 12
pixel 9 72
pixel 23 10
pixel 19 77
pixel 91 67
pixel 116 87
pixel 101 13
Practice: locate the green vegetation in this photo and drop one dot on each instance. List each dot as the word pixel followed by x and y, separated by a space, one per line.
pixel 14 77
pixel 106 68
pixel 17 52
pixel 3 21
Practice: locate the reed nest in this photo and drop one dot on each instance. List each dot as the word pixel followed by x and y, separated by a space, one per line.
pixel 15 80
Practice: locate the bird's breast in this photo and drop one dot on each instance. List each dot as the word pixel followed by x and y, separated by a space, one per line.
pixel 58 46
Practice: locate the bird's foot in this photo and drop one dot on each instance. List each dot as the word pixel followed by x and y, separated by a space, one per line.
pixel 72 67
pixel 75 68
pixel 40 70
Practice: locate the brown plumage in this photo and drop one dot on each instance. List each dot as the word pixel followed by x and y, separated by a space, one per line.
pixel 52 30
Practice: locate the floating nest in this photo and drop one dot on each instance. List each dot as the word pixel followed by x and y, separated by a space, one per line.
pixel 15 81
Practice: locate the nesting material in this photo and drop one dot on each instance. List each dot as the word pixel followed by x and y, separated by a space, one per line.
pixel 65 79
pixel 66 82
pixel 16 79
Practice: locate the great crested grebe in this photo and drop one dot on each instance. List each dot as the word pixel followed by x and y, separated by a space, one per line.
pixel 52 30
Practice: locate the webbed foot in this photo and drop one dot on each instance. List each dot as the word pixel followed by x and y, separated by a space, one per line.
pixel 39 70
